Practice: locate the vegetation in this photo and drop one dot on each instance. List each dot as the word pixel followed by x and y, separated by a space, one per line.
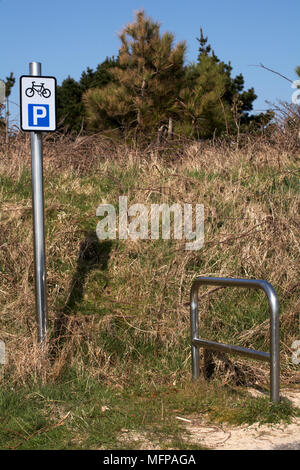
pixel 212 101
pixel 148 91
pixel 9 83
pixel 70 109
pixel 116 370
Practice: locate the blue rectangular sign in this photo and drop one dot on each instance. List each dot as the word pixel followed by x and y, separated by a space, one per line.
pixel 38 115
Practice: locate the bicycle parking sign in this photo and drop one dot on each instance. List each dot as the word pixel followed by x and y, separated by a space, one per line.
pixel 38 103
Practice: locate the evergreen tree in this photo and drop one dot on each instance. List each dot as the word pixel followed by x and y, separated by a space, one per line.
pixel 147 88
pixel 70 109
pixel 204 48
pixel 147 83
pixel 213 101
pixel 205 112
pixel 70 112
pixel 9 83
pixel 100 77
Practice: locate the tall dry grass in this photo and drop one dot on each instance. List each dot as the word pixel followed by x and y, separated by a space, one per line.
pixel 138 291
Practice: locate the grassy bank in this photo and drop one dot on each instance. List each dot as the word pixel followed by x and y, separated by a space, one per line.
pixel 118 357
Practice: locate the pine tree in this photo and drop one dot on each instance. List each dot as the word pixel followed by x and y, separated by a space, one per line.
pixel 9 83
pixel 205 112
pixel 204 48
pixel 100 77
pixel 69 106
pixel 147 83
pixel 212 101
pixel 70 109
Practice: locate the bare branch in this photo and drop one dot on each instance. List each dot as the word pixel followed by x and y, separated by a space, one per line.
pixel 273 71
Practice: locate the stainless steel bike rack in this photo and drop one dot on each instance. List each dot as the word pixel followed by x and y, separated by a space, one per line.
pixel 272 357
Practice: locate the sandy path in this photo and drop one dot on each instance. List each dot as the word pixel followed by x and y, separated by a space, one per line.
pixel 228 437
pixel 254 437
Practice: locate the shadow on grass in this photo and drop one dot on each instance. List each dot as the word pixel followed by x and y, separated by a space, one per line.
pixel 93 254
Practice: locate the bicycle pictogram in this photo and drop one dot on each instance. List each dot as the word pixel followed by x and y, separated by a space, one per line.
pixel 39 89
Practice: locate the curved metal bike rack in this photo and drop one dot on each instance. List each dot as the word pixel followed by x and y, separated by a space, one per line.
pixel 272 357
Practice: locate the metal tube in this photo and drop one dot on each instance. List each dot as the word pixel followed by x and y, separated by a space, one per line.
pixel 231 349
pixel 38 222
pixel 274 341
pixel 273 357
pixel 194 332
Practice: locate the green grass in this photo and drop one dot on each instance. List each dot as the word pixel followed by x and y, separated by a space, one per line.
pixel 119 371
pixel 16 189
pixel 86 414
pixel 245 410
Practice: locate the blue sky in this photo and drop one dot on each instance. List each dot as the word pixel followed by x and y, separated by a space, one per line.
pixel 67 36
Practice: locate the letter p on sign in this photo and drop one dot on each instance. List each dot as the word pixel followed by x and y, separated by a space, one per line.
pixel 38 115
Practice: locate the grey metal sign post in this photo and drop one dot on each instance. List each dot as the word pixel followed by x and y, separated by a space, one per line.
pixel 38 222
pixel 38 114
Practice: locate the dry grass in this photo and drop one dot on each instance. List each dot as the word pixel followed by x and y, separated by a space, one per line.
pixel 138 292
